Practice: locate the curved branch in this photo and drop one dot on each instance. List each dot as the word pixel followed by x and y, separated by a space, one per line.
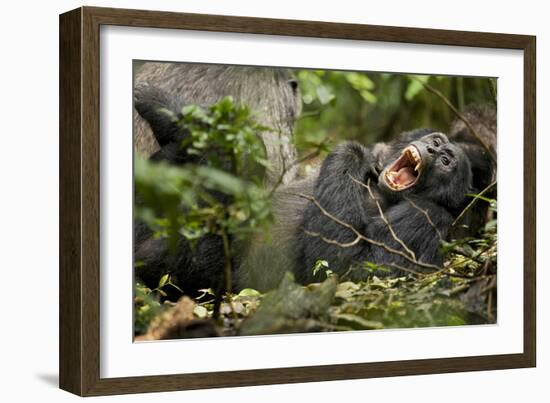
pixel 425 212
pixel 364 238
pixel 383 216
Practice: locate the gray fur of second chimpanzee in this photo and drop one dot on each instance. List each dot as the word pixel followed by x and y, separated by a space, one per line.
pixel 271 93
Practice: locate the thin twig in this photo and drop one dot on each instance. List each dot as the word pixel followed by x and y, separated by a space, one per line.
pixel 286 169
pixel 492 284
pixel 350 269
pixel 332 241
pixel 405 269
pixel 459 289
pixel 459 115
pixel 474 259
pixel 383 216
pixel 311 114
pixel 427 215
pixel 475 199
pixel 485 268
pixel 227 266
pixel 364 238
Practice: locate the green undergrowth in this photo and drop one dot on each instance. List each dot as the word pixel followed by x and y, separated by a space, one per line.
pixel 462 293
pixel 439 299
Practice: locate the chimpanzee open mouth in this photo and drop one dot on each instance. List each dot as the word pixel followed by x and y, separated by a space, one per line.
pixel 405 171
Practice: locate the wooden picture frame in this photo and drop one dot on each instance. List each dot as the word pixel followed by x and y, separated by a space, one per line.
pixel 80 199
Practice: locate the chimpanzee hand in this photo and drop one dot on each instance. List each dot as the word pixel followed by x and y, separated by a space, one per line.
pixel 373 171
pixel 160 110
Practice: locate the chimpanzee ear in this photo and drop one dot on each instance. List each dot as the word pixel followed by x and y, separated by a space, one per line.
pixel 160 110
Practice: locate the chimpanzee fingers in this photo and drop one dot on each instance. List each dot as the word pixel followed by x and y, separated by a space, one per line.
pixel 160 110
pixel 149 100
pixel 374 171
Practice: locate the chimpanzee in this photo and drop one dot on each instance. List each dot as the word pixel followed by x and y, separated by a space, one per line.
pixel 392 212
pixel 388 205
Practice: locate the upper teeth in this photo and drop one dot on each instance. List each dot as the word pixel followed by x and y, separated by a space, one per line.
pixel 416 157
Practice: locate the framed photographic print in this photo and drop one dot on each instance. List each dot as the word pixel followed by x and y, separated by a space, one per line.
pixel 249 201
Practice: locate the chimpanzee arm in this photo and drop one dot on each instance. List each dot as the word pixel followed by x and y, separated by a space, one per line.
pixel 160 110
pixel 346 200
pixel 410 223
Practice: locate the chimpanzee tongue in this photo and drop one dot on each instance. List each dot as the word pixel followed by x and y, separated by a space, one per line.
pixel 404 176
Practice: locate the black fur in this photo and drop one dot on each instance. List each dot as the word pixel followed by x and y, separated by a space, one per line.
pixel 161 111
pixel 440 191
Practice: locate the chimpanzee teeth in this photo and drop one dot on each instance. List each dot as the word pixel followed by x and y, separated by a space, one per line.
pixel 416 157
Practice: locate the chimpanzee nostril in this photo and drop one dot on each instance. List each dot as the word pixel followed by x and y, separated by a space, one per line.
pixel 430 150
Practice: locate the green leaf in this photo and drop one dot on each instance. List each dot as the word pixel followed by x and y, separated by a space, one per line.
pixel 163 280
pixel 249 292
pixel 319 264
pixel 346 290
pixel 200 311
pixel 324 94
pixel 360 81
pixel 170 282
pixel 358 322
pixel 455 320
pixel 368 96
pixel 415 86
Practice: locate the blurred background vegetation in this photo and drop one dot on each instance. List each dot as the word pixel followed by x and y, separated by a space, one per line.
pixel 373 107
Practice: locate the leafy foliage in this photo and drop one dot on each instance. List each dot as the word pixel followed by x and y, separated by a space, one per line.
pixel 146 308
pixel 475 256
pixel 179 200
pixel 192 200
pixel 371 107
pixel 462 294
pixel 225 132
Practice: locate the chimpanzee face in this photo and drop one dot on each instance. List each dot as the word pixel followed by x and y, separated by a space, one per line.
pixel 431 167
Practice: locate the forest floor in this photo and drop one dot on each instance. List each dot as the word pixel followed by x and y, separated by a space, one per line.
pixel 464 293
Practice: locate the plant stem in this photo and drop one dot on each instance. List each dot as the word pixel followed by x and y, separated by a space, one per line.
pixel 227 267
pixel 474 200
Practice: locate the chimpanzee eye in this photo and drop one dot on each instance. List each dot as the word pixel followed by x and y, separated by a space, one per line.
pixel 445 160
pixel 436 142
